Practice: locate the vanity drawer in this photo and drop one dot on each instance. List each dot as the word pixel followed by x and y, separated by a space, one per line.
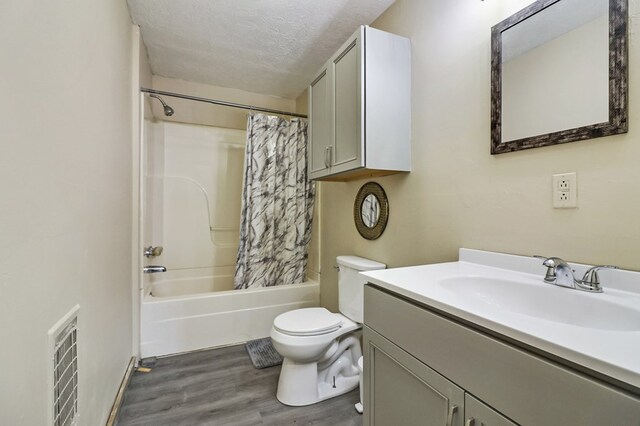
pixel 523 386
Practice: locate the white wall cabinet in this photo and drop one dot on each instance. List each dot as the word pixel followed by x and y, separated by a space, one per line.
pixel 424 368
pixel 360 109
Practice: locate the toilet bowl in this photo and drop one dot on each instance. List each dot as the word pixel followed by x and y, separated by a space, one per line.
pixel 321 348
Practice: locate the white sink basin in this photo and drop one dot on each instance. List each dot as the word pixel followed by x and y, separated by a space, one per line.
pixel 506 294
pixel 544 301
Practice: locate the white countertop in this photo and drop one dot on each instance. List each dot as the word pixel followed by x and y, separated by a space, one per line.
pixel 602 347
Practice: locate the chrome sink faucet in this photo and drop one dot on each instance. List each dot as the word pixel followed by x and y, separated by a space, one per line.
pixel 560 273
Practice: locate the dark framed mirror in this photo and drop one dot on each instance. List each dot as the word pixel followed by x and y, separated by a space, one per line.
pixel 371 211
pixel 559 74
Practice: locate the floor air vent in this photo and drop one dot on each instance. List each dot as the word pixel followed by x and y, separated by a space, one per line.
pixel 63 346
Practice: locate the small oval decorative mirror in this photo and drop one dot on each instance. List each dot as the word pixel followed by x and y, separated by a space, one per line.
pixel 371 211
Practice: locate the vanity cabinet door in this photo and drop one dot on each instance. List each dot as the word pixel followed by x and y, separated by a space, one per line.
pixel 478 414
pixel 400 390
pixel 320 125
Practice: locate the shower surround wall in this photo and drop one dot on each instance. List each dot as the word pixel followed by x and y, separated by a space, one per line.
pixel 194 183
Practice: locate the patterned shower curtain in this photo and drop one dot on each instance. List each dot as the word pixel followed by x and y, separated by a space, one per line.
pixel 277 204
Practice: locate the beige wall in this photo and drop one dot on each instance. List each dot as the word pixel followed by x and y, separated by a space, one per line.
pixel 144 69
pixel 65 215
pixel 140 76
pixel 302 102
pixel 191 112
pixel 313 266
pixel 458 195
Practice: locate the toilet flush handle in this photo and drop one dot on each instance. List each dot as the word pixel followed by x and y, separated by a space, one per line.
pixel 336 267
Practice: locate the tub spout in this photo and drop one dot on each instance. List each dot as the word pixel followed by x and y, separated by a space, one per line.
pixel 152 269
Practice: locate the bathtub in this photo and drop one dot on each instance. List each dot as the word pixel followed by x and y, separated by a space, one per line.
pixel 184 315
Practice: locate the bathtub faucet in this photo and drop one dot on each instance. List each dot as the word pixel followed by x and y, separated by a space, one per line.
pixel 152 269
pixel 152 251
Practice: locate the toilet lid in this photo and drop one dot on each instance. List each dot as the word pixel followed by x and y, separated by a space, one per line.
pixel 307 322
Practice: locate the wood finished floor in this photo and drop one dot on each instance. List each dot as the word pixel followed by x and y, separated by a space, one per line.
pixel 221 387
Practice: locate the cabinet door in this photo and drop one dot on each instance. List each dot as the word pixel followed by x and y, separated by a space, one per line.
pixel 400 390
pixel 478 414
pixel 320 126
pixel 348 78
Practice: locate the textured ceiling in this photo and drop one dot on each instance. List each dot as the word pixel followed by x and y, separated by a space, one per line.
pixel 262 46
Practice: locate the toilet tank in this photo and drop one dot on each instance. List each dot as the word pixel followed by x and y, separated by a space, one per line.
pixel 351 285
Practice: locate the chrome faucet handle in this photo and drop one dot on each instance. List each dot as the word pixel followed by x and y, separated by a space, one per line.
pixel 559 272
pixel 591 281
pixel 550 276
pixel 152 251
pixel 550 263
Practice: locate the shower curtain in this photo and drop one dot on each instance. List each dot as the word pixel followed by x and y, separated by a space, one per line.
pixel 277 204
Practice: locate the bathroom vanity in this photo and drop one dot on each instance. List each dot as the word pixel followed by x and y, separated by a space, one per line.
pixel 484 341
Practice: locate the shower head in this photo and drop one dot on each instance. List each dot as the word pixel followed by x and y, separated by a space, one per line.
pixel 168 111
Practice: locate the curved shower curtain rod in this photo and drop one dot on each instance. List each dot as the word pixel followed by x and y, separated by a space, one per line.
pixel 223 103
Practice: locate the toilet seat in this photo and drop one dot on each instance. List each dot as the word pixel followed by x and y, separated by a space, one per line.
pixel 307 322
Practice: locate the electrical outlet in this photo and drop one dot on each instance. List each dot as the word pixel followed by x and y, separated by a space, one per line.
pixel 565 191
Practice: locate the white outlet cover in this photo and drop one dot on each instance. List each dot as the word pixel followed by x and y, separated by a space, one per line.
pixel 565 191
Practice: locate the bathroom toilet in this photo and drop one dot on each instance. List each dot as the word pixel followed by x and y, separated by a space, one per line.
pixel 320 348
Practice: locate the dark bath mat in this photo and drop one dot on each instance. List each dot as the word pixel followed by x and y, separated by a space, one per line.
pixel 262 353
